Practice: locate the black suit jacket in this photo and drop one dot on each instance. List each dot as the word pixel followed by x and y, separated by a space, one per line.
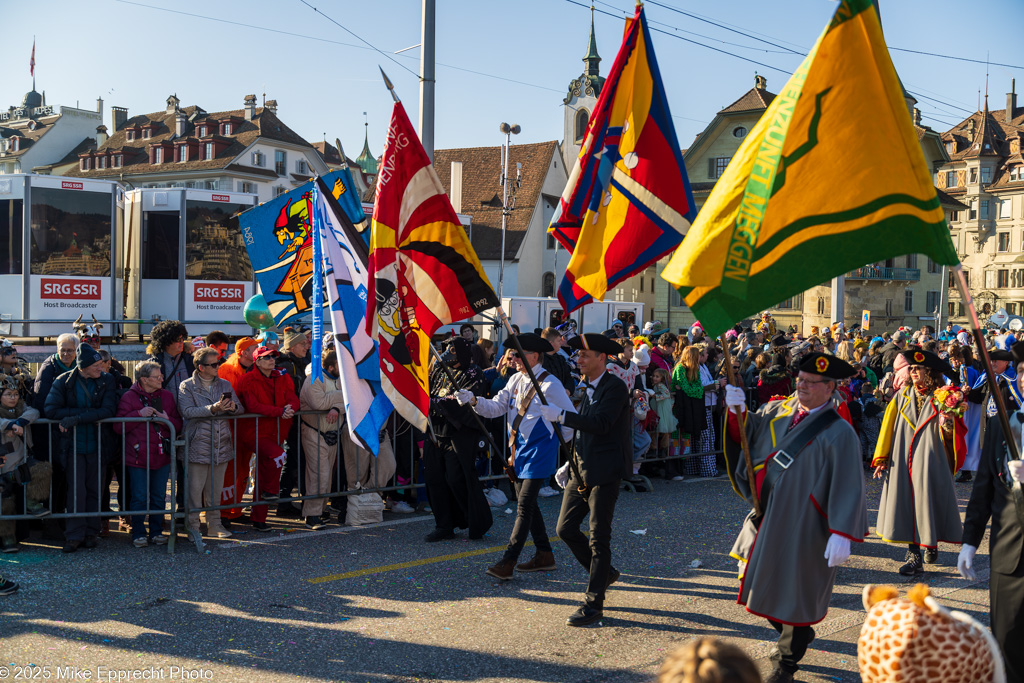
pixel 990 498
pixel 604 446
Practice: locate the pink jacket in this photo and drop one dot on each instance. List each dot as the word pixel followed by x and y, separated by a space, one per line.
pixel 138 434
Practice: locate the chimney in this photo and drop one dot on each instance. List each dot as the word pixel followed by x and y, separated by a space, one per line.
pixel 760 82
pixel 99 107
pixel 101 135
pixel 271 105
pixel 250 107
pixel 118 117
pixel 180 122
pixel 970 129
pixel 456 194
pixel 917 116
pixel 1011 100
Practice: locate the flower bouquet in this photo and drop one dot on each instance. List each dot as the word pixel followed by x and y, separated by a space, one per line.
pixel 950 401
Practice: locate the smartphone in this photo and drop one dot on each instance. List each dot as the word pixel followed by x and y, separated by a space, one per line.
pixel 226 396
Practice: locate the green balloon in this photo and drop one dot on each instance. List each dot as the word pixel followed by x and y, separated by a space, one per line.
pixel 257 313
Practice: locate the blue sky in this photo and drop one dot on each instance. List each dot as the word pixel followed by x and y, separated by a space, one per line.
pixel 134 54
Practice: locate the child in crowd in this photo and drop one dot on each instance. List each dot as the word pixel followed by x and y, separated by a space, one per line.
pixel 707 660
pixel 667 422
pixel 18 475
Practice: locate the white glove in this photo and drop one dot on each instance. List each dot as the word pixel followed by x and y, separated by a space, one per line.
pixel 464 396
pixel 551 413
pixel 741 566
pixel 734 396
pixel 965 563
pixel 1016 468
pixel 837 550
pixel 562 476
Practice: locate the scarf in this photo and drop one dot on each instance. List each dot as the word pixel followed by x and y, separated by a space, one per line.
pixel 13 413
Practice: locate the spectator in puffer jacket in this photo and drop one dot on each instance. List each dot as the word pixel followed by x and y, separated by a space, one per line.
pixel 78 399
pixel 209 443
pixel 147 449
pixel 270 393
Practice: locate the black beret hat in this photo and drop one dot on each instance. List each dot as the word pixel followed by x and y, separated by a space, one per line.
pixel 827 365
pixel 595 342
pixel 931 361
pixel 780 340
pixel 530 342
pixel 999 354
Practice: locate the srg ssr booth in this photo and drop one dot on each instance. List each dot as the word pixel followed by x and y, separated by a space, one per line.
pixel 60 254
pixel 187 258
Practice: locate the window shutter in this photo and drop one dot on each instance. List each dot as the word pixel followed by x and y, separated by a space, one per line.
pixel 711 168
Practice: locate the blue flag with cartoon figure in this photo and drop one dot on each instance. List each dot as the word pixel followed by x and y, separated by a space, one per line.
pixel 279 237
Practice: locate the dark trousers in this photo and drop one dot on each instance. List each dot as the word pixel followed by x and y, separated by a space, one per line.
pixel 83 477
pixel 115 468
pixel 453 487
pixel 294 464
pixel 1006 605
pixel 596 554
pixel 792 645
pixel 529 521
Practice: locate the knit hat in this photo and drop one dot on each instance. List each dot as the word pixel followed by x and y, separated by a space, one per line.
pixel 291 338
pixel 87 356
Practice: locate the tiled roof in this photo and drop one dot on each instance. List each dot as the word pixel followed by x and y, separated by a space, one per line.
pixel 72 157
pixel 264 124
pixel 328 152
pixel 481 191
pixel 755 99
pixel 989 128
pixel 27 136
pixel 949 202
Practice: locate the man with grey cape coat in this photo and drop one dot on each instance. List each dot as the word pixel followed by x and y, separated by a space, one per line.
pixel 808 478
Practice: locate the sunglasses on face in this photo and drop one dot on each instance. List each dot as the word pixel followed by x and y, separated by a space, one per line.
pixel 213 364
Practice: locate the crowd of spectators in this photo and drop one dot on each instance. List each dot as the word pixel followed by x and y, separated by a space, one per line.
pixel 247 468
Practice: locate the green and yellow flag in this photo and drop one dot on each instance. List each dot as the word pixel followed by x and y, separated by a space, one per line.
pixel 832 177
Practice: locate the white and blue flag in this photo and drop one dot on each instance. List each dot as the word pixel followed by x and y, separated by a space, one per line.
pixel 345 256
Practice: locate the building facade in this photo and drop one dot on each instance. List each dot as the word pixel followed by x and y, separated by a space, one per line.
pixel 985 172
pixel 247 150
pixel 35 135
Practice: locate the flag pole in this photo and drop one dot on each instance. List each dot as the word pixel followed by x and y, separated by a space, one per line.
pixel 990 377
pixel 479 422
pixel 743 432
pixel 543 399
pixel 387 82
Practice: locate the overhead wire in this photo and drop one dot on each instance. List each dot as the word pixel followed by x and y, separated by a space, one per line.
pixel 359 38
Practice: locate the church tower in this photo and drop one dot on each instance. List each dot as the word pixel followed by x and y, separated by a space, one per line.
pixel 580 101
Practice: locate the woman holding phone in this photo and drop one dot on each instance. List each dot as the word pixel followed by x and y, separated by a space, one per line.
pixel 210 444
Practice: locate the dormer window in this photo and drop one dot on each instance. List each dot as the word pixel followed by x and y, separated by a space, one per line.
pixel 101 162
pixel 15 143
pixel 83 164
pixel 117 161
pixel 147 133
pixel 950 147
pixel 183 153
pixel 129 135
pixel 158 155
pixel 201 131
pixel 209 150
pixel 227 128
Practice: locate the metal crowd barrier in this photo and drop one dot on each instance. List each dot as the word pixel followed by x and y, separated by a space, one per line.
pixel 401 439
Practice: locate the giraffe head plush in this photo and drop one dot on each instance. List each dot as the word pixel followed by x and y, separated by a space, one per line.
pixel 916 640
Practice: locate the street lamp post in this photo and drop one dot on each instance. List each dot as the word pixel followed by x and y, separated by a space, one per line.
pixel 506 205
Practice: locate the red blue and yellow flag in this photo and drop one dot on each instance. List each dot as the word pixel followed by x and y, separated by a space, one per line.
pixel 628 200
pixel 424 272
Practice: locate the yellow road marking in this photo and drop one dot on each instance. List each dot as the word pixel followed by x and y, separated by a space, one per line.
pixel 413 563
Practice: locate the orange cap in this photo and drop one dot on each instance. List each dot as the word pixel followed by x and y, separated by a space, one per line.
pixel 244 343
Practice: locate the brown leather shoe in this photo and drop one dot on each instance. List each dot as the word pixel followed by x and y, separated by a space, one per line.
pixel 543 561
pixel 503 570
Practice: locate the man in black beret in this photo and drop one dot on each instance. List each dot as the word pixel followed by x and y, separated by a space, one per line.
pixel 603 456
pixel 984 407
pixel 807 468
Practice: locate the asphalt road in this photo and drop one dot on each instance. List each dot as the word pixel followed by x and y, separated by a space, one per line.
pixel 378 604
